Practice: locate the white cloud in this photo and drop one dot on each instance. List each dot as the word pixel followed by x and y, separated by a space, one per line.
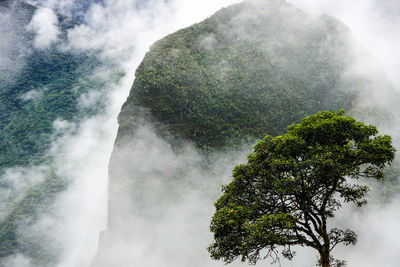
pixel 17 260
pixel 372 24
pixel 15 182
pixel 161 203
pixel 31 95
pixel 125 33
pixel 44 24
pixel 13 48
pixel 378 235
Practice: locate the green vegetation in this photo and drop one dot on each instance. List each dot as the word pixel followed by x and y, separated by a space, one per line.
pixel 56 81
pixel 246 71
pixel 240 74
pixel 292 184
pixel 48 86
pixel 35 202
pixel 249 70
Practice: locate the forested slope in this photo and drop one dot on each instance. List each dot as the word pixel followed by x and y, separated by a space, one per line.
pixel 249 70
pixel 38 87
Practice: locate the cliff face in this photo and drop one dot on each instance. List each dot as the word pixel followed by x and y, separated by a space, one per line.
pixel 249 70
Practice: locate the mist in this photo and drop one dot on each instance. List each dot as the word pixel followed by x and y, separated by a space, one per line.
pixel 13 49
pixel 149 219
pixel 154 249
pixel 180 210
pixel 164 204
pixel 375 25
pixel 44 25
pixel 122 31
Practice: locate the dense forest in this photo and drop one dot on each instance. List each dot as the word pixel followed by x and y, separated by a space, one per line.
pixel 47 85
pixel 236 77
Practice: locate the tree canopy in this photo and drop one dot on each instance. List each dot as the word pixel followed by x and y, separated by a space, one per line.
pixel 227 81
pixel 292 184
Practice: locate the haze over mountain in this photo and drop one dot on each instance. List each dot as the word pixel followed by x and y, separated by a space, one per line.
pixel 41 93
pixel 202 95
pixel 212 89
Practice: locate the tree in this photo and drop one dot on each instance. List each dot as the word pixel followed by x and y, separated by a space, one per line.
pixel 292 184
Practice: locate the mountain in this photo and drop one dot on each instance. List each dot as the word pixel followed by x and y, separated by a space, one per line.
pixel 249 70
pixel 40 88
pixel 46 86
pixel 258 69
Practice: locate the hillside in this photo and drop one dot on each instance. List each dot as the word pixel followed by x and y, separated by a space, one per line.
pixel 46 86
pixel 37 88
pixel 243 73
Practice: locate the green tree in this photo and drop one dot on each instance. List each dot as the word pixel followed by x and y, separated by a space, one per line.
pixel 292 184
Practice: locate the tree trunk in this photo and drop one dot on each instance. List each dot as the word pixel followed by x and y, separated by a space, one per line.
pixel 325 257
